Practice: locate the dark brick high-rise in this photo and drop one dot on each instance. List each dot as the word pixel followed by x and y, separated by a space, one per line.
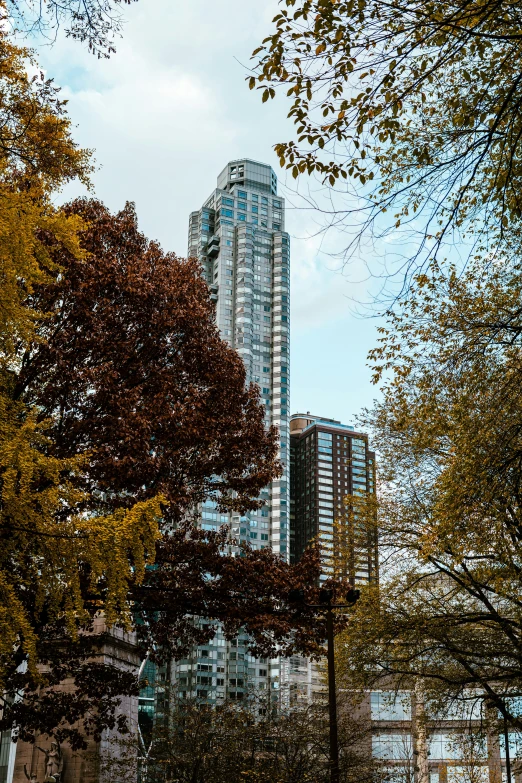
pixel 329 460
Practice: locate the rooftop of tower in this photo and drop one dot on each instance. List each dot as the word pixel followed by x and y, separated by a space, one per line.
pixel 302 421
pixel 249 173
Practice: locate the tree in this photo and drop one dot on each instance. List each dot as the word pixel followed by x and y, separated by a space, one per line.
pixel 231 742
pixel 37 156
pixel 448 430
pixel 94 22
pixel 193 579
pixel 470 748
pixel 198 579
pixel 51 554
pixel 130 375
pixel 418 104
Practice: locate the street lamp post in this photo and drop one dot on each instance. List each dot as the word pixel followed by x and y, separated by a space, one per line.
pixel 325 598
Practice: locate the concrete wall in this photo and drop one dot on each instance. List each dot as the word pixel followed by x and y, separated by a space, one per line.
pixel 119 649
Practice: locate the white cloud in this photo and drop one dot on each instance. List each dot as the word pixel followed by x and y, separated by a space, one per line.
pixel 171 107
pixel 164 115
pixel 320 292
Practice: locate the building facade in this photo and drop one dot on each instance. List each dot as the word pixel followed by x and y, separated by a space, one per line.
pixel 97 762
pixel 418 741
pixel 329 461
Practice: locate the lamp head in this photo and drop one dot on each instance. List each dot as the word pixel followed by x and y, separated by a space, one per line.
pixel 352 596
pixel 325 596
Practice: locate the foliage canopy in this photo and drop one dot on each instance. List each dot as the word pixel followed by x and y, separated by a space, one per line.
pixel 52 554
pixel 448 431
pixel 418 103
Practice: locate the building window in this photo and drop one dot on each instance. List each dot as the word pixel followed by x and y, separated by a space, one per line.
pixel 237 172
pixel 392 746
pixel 445 746
pixel 388 705
pixel 462 774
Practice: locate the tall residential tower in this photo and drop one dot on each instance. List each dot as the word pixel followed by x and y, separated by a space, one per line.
pixel 238 235
pixel 330 460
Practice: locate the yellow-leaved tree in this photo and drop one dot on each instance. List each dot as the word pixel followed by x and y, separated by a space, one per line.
pixel 409 109
pixel 58 566
pixel 447 610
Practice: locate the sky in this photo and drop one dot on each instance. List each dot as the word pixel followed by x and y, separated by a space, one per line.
pixel 164 115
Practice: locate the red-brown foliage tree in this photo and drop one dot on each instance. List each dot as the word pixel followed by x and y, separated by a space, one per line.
pixel 133 373
pixel 133 370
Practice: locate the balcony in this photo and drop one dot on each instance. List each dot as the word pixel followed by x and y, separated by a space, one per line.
pixel 213 246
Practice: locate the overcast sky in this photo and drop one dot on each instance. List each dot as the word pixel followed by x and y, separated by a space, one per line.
pixel 164 115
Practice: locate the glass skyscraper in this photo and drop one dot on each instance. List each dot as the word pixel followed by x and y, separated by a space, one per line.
pixel 239 239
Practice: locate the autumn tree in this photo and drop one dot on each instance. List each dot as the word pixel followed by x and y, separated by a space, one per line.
pixel 114 388
pixel 192 579
pixel 132 369
pixel 52 553
pixel 132 378
pixel 37 156
pixel 447 609
pixel 415 106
